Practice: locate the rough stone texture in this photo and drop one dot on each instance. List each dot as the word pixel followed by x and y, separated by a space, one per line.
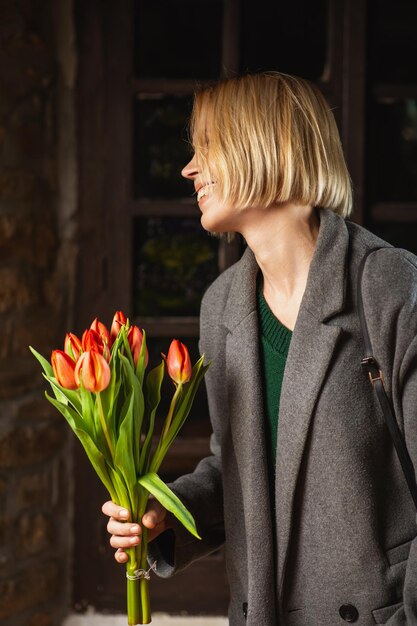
pixel 37 258
pixel 33 585
pixel 29 445
pixel 34 533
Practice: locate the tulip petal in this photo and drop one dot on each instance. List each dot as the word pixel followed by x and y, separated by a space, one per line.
pixel 63 367
pixel 93 371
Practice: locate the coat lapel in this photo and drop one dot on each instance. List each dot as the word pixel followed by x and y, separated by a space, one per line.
pixel 311 349
pixel 312 346
pixel 245 398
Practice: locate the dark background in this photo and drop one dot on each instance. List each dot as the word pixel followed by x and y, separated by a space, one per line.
pixel 95 217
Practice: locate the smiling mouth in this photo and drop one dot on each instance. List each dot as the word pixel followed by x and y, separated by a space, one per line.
pixel 203 191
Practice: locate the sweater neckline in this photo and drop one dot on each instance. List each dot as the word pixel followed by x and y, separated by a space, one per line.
pixel 274 331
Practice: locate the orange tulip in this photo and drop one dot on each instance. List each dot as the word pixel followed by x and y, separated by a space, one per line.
pixel 64 369
pixel 91 340
pixel 135 339
pixel 101 330
pixel 72 346
pixel 178 362
pixel 119 320
pixel 93 371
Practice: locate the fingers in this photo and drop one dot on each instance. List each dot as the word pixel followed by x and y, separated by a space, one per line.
pixel 114 510
pixel 123 529
pixel 124 542
pixel 121 556
pixel 155 514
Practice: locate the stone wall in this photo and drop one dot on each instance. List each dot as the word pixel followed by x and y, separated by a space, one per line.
pixel 37 260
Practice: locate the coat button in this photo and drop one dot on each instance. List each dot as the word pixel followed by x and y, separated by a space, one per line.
pixel 245 609
pixel 348 612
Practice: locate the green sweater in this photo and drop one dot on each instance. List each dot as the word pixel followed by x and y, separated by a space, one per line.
pixel 275 342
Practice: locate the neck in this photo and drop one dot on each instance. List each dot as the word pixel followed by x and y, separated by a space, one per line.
pixel 283 241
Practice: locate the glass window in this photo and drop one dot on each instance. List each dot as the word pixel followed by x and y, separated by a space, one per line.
pixel 293 37
pixel 393 150
pixel 178 38
pixel 393 41
pixel 175 260
pixel 161 146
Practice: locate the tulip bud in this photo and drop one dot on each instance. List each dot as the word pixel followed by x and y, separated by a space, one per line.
pixel 93 371
pixel 178 362
pixel 72 346
pixel 91 340
pixel 119 320
pixel 135 339
pixel 101 330
pixel 64 366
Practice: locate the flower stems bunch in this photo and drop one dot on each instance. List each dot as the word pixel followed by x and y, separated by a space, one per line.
pixel 101 387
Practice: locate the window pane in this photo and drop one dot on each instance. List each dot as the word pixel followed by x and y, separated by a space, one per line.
pixel 178 38
pixel 293 37
pixel 161 147
pixel 175 261
pixel 393 41
pixel 393 152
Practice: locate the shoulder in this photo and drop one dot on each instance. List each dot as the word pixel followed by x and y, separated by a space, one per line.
pixel 389 280
pixel 387 265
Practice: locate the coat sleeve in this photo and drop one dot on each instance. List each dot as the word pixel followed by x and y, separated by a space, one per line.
pixel 392 322
pixel 201 493
pixel 408 611
pixel 202 490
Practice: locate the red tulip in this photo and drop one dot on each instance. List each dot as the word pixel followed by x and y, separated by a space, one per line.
pixel 101 330
pixel 135 339
pixel 178 362
pixel 93 371
pixel 91 340
pixel 64 369
pixel 72 346
pixel 119 320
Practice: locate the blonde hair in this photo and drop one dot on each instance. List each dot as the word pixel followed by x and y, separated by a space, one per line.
pixel 270 138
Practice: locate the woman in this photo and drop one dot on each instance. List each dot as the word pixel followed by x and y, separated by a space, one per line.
pixel 303 486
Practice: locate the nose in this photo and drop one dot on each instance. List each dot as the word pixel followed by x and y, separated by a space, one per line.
pixel 190 170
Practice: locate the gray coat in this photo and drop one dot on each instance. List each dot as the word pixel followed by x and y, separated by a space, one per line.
pixel 343 548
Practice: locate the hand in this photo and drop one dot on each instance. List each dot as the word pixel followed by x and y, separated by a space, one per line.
pixel 127 535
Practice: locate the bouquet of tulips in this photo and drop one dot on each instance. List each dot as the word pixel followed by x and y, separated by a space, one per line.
pixel 99 386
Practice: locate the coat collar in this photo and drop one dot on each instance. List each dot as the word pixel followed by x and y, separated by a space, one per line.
pixel 311 349
pixel 325 291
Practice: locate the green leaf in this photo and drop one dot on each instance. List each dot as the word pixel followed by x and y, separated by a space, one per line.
pixel 72 417
pixel 169 500
pixel 123 458
pixel 153 395
pixel 141 364
pixel 47 367
pixel 97 461
pixel 87 409
pixel 138 408
pixel 182 409
pixel 96 458
pixel 67 396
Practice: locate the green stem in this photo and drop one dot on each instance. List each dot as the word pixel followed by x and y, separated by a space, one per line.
pixel 171 409
pixel 143 563
pixel 159 453
pixel 104 424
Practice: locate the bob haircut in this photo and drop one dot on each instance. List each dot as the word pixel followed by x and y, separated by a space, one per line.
pixel 270 138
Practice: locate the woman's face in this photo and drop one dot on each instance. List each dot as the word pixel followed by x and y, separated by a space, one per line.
pixel 217 216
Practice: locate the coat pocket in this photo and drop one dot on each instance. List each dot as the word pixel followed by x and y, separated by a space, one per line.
pixel 382 615
pixel 399 553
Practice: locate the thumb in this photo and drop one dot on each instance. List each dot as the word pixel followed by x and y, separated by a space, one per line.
pixel 155 518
